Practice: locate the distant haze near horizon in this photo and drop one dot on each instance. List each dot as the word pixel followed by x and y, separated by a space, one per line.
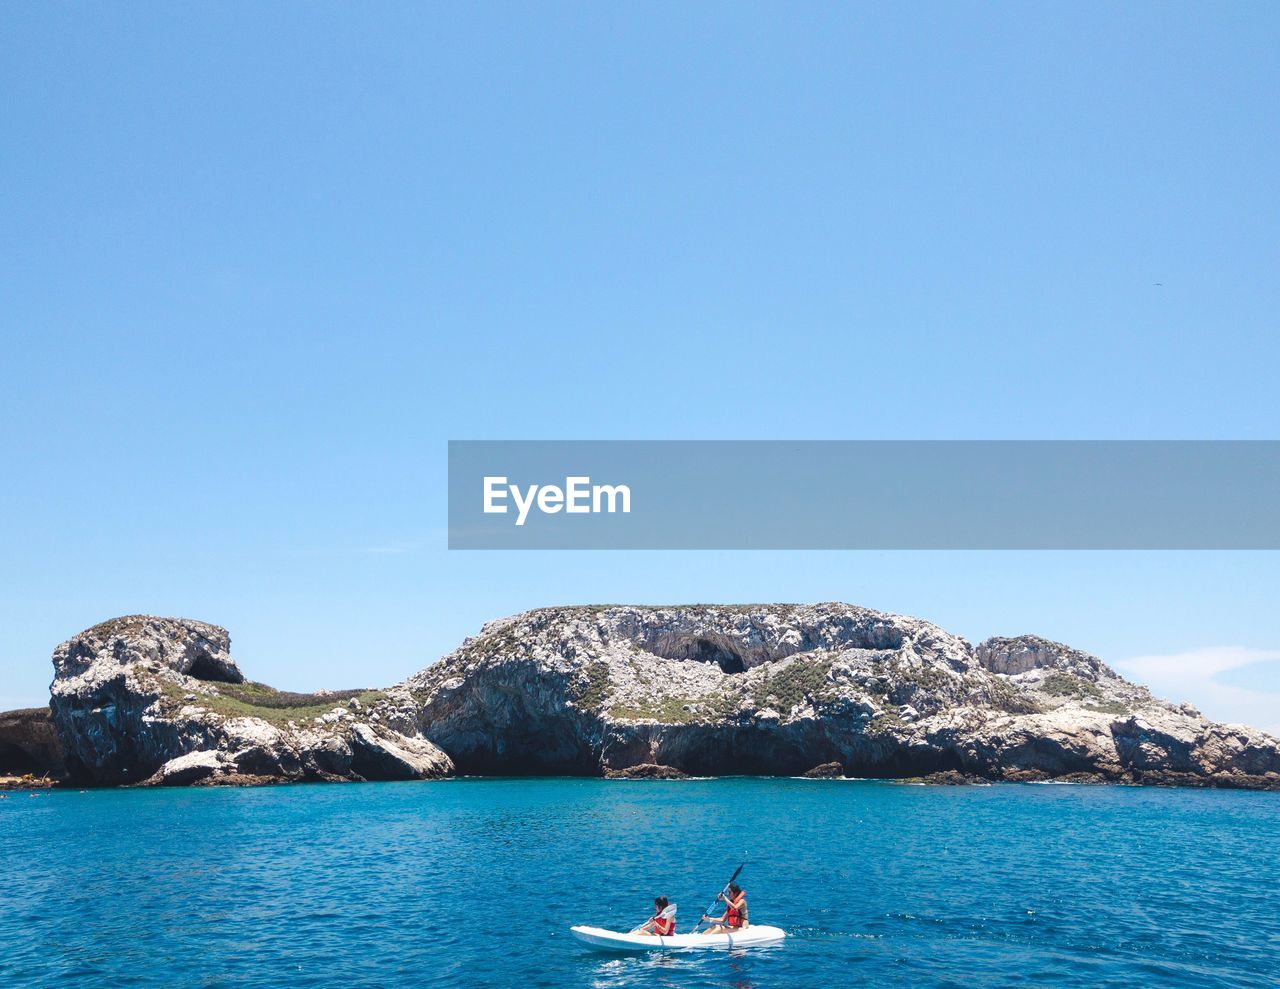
pixel 262 267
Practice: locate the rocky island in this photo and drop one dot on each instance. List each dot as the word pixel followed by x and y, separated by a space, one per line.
pixel 640 692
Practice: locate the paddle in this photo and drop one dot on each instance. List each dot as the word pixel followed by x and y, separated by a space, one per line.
pixel 718 895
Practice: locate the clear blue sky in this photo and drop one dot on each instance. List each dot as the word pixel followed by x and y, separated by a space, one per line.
pixel 262 261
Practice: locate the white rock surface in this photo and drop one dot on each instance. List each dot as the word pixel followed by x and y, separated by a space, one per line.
pixel 191 768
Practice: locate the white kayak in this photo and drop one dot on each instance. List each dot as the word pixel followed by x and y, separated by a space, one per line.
pixel 598 937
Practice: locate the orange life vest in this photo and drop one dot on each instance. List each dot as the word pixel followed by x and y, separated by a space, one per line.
pixel 733 912
pixel 666 927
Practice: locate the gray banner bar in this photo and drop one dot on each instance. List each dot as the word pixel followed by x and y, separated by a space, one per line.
pixel 767 494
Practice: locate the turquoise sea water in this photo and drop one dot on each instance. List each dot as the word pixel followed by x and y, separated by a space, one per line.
pixel 474 883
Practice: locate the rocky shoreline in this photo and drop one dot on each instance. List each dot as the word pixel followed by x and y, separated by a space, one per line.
pixel 827 690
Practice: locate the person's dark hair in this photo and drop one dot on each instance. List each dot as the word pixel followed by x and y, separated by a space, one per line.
pixel 660 903
pixel 735 889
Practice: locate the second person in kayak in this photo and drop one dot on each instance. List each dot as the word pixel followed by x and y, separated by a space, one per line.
pixel 663 921
pixel 735 913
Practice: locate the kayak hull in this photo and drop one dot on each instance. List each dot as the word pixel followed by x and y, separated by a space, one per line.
pixel 602 940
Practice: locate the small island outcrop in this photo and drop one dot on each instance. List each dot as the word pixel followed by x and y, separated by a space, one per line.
pixel 160 700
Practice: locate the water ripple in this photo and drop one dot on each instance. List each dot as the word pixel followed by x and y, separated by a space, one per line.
pixel 475 883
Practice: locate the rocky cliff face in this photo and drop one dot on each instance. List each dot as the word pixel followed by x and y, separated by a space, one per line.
pixel 638 691
pixel 781 689
pixel 160 700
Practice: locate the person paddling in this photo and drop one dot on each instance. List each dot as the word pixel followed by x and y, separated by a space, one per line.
pixel 735 912
pixel 663 921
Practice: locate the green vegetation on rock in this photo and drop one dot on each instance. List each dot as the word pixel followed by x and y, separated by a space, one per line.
pixel 790 685
pixel 884 722
pixel 667 710
pixel 591 696
pixel 257 700
pixel 928 678
pixel 125 625
pixel 1066 685
pixel 1004 697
